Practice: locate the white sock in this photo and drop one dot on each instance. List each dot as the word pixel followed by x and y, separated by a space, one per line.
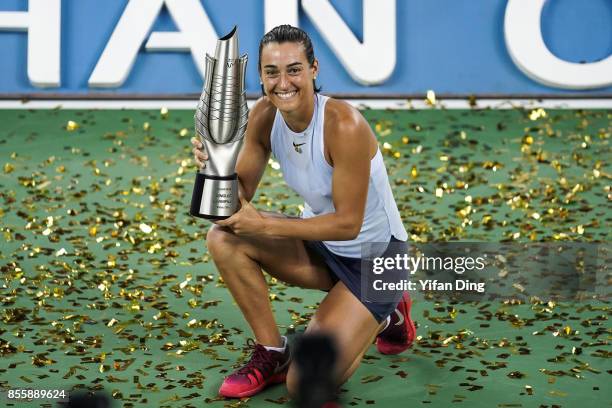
pixel 279 349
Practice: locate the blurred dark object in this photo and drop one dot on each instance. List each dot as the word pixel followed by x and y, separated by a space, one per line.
pixel 87 400
pixel 315 358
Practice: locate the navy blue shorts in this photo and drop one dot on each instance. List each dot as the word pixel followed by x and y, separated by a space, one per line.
pixel 348 270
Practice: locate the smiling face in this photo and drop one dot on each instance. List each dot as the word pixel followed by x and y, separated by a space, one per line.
pixel 287 76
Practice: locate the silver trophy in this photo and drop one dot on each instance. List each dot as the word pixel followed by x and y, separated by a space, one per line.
pixel 220 121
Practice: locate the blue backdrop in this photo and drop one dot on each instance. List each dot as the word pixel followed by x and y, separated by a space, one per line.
pixel 451 46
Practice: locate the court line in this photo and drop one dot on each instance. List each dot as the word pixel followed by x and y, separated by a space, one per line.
pixel 396 104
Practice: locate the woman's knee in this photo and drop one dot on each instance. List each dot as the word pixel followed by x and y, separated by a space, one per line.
pixel 220 241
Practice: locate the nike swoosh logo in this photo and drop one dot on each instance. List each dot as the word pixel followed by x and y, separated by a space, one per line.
pixel 298 145
pixel 280 368
pixel 400 316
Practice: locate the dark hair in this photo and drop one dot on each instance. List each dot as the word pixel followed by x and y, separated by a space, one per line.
pixel 287 33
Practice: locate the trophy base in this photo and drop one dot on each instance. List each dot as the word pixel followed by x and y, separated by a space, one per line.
pixel 210 217
pixel 214 197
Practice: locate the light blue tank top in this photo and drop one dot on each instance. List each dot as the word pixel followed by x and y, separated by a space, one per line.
pixel 302 160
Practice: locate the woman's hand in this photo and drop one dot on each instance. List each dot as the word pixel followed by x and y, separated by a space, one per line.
pixel 248 221
pixel 199 155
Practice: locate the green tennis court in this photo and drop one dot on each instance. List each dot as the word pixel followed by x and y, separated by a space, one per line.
pixel 106 281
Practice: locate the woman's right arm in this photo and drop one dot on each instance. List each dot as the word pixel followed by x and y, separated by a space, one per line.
pixel 255 151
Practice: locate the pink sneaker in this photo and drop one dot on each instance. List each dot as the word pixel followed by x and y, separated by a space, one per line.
pixel 401 332
pixel 265 368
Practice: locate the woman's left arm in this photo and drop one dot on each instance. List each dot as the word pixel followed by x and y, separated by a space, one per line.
pixel 349 146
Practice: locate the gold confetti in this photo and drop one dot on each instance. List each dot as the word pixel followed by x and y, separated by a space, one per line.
pixel 383 128
pixel 536 114
pixel 184 283
pixel 371 378
pixel 154 248
pixel 274 164
pixel 41 360
pixel 145 228
pixel 163 112
pixel 71 126
pixel 8 168
pixel 430 98
pixel 472 101
pixel 118 208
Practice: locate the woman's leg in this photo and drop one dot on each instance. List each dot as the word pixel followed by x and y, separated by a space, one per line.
pixel 240 261
pixel 343 317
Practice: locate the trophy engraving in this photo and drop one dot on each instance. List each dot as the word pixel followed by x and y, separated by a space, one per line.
pixel 220 121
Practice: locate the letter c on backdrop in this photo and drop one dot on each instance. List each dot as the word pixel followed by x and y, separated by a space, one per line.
pixel 523 34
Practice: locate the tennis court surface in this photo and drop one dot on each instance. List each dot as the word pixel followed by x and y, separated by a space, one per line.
pixel 107 284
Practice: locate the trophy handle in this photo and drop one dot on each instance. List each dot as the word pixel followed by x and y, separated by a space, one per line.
pixel 221 157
